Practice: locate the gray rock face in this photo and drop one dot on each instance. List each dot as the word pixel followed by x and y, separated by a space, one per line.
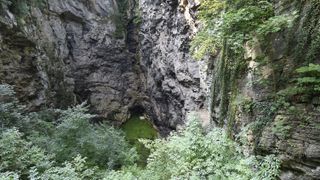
pixel 68 52
pixel 80 59
pixel 173 81
pixel 288 127
pixel 71 51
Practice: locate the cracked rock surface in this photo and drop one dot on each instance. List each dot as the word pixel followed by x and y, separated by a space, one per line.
pixel 67 52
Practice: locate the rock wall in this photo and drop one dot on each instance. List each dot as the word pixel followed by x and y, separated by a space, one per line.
pixel 248 102
pixel 76 57
pixel 69 51
pixel 121 56
pixel 174 82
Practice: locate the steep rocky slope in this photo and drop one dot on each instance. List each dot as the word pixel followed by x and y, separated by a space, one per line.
pixel 66 52
pixel 254 99
pixel 133 56
pixel 174 82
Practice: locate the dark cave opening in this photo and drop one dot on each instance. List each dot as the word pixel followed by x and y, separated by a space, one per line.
pixel 137 110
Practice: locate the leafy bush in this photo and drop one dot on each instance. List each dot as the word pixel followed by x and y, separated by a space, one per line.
pixel 18 155
pixel 20 158
pixel 77 169
pixel 236 22
pixel 10 110
pixel 193 154
pixel 64 133
pixel 9 176
pixel 281 128
pixel 307 84
pixel 188 154
pixel 102 145
pixel 276 24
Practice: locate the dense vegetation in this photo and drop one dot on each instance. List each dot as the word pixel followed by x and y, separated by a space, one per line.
pixel 228 29
pixel 237 33
pixel 230 24
pixel 39 143
pixel 63 144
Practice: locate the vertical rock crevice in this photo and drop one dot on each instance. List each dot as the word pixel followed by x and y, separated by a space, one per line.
pixel 114 54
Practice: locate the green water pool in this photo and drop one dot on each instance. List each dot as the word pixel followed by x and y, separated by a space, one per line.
pixel 136 128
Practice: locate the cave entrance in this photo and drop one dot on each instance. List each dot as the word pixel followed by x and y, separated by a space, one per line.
pixel 138 126
pixel 137 110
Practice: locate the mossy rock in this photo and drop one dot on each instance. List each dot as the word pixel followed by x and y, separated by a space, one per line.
pixel 139 128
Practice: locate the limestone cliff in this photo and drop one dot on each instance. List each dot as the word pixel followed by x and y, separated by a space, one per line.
pixel 124 56
pixel 174 82
pixel 117 55
pixel 249 99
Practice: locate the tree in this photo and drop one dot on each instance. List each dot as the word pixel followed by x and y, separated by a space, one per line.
pixel 194 154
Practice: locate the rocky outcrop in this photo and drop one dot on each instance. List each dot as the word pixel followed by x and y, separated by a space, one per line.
pixel 74 57
pixel 66 52
pixel 174 82
pixel 133 56
pixel 294 133
pixel 249 100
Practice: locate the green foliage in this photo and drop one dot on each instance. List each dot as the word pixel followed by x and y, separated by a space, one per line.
pixel 137 19
pixel 20 158
pixel 188 154
pixel 305 44
pixel 281 128
pixel 9 176
pixel 193 154
pixel 12 114
pixel 4 4
pixel 267 113
pixel 246 19
pixel 77 169
pixel 209 38
pixel 276 24
pixel 205 42
pixel 227 26
pixel 63 133
pixel 312 69
pixel 127 173
pixel 101 144
pixel 307 84
pixel 246 104
pixel 18 155
pixel 237 22
pixel 10 110
pixel 269 168
pixel 309 78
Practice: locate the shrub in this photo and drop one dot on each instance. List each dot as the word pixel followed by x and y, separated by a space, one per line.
pixel 193 154
pixel 10 110
pixel 235 22
pixel 18 155
pixel 307 84
pixel 65 133
pixel 77 169
pixel 101 144
pixel 9 176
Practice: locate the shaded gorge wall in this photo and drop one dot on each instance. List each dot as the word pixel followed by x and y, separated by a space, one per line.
pixel 251 93
pixel 113 54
